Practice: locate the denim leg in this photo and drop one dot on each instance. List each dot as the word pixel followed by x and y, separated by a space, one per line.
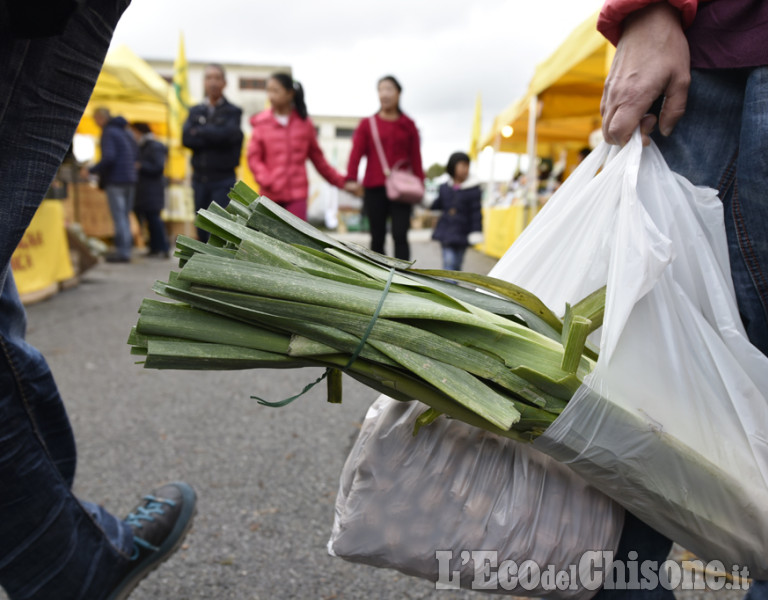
pixel 749 210
pixel 453 257
pixel 120 203
pixel 639 543
pixel 50 547
pixel 51 420
pixel 219 191
pixel 206 192
pixel 202 201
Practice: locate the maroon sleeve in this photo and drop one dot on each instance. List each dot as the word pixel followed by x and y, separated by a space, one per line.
pixel 611 19
pixel 359 149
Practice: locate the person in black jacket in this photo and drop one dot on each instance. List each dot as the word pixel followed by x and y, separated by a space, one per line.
pixel 460 201
pixel 117 177
pixel 150 188
pixel 212 131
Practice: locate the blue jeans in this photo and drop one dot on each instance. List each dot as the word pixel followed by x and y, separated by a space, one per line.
pixel 722 142
pixel 51 544
pixel 453 257
pixel 120 197
pixel 206 192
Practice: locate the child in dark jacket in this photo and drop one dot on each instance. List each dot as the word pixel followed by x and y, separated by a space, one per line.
pixel 460 201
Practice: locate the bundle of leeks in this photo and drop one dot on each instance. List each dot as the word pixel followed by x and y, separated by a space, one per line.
pixel 270 291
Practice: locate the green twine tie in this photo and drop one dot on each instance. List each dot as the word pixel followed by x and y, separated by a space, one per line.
pixel 352 358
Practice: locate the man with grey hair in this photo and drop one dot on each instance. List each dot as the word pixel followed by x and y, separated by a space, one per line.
pixel 117 177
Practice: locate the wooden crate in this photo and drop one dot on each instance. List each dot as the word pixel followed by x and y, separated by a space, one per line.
pixel 88 205
pixel 177 228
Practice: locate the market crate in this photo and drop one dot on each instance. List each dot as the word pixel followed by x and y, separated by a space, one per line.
pixel 177 228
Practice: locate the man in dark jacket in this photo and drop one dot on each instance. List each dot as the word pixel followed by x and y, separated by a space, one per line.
pixel 212 131
pixel 150 188
pixel 117 177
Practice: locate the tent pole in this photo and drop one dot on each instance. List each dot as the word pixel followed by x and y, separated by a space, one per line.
pixel 532 175
pixel 490 197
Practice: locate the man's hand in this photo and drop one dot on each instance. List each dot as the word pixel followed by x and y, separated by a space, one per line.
pixel 652 59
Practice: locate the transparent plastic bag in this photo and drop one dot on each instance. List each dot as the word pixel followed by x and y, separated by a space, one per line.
pixel 457 488
pixel 673 423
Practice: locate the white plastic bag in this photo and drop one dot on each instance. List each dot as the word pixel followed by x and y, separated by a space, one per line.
pixel 459 489
pixel 673 423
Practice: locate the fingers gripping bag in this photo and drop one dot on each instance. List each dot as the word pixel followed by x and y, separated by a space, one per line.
pixel 673 421
pixel 466 508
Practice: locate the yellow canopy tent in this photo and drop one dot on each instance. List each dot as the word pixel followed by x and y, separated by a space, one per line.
pixel 566 90
pixel 558 112
pixel 130 87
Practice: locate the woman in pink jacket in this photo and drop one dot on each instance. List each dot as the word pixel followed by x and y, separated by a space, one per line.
pixel 283 139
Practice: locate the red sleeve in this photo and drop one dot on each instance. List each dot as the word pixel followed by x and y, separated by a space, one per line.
pixel 418 168
pixel 359 149
pixel 611 19
pixel 256 159
pixel 315 154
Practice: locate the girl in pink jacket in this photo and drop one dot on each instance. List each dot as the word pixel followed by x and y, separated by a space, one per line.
pixel 283 139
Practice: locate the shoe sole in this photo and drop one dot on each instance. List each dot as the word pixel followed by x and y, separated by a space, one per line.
pixel 167 549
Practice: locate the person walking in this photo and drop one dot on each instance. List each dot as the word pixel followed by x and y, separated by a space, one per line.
pixel 283 139
pixel 52 544
pixel 150 188
pixel 400 142
pixel 460 201
pixel 117 177
pixel 212 131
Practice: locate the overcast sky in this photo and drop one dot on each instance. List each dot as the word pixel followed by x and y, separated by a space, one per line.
pixel 443 52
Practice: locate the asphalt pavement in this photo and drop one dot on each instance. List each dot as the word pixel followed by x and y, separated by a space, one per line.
pixel 266 478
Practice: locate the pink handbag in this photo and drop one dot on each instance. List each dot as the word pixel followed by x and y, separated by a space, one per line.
pixel 401 184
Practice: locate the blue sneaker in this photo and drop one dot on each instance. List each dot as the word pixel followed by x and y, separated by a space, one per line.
pixel 159 524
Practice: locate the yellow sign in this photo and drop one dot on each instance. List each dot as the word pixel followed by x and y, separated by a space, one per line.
pixel 501 227
pixel 42 257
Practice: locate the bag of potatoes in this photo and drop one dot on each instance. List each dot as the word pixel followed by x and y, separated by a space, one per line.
pixel 465 508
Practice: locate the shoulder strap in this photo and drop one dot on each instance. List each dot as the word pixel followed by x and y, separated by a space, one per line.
pixel 377 143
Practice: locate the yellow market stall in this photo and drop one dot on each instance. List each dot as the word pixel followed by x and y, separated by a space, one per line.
pixel 565 94
pixel 130 87
pixel 558 112
pixel 41 261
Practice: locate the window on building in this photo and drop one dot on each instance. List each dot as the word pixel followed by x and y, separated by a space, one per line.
pixel 253 83
pixel 344 132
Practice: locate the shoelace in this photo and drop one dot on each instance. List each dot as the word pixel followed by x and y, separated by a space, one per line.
pixel 146 513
